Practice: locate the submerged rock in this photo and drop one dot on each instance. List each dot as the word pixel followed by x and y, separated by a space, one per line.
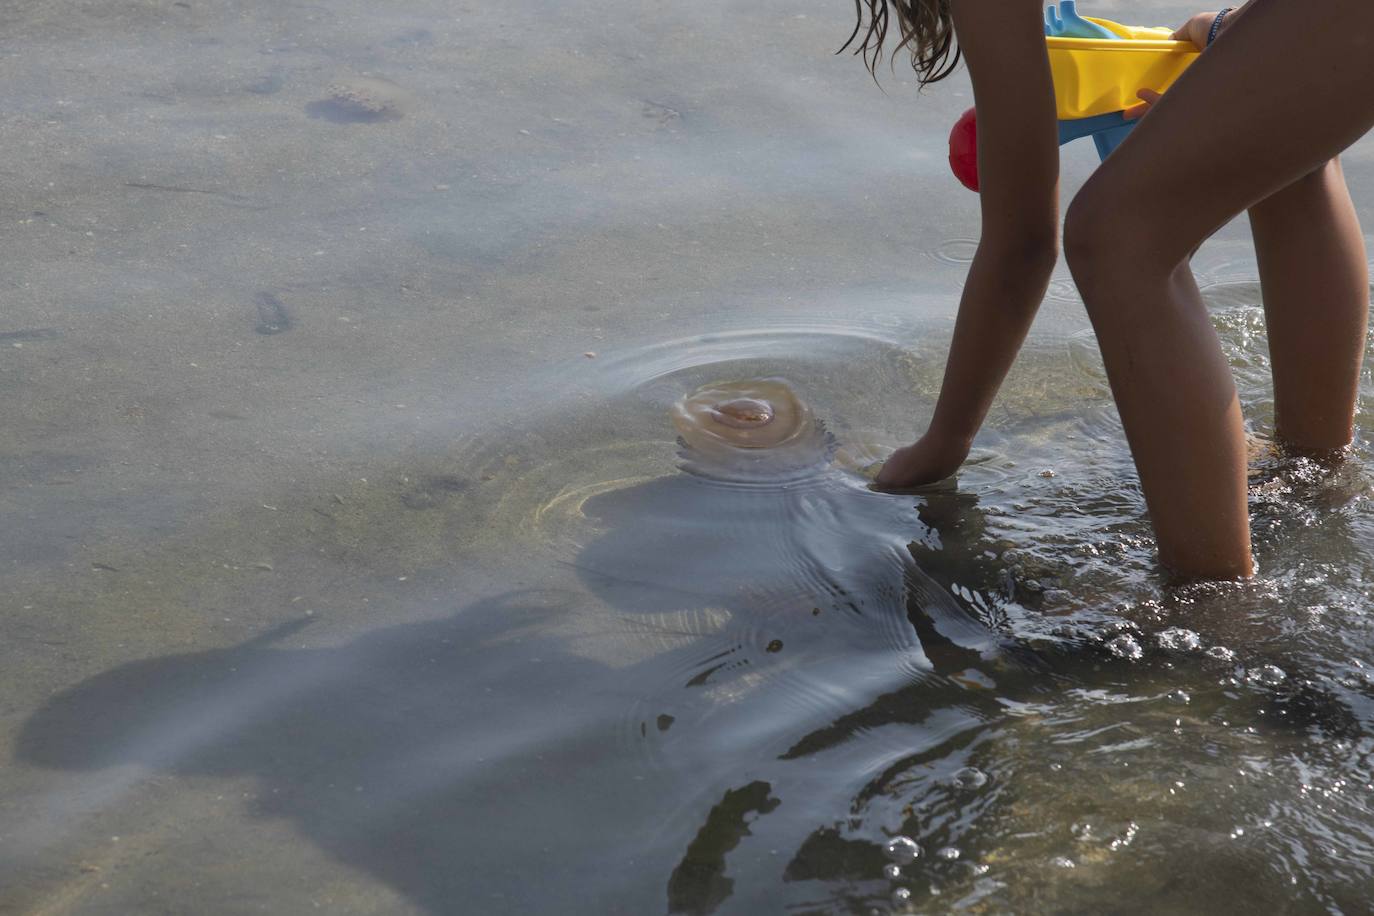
pixel 272 314
pixel 362 100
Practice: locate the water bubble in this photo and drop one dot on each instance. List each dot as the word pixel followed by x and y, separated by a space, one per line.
pixel 1179 639
pixel 949 853
pixel 1082 831
pixel 902 850
pixel 1179 696
pixel 1126 838
pixel 970 778
pixel 901 898
pixel 1125 646
pixel 1268 675
pixel 1062 862
pixel 892 871
pixel 1221 654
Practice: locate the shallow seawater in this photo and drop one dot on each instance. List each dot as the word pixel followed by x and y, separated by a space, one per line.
pixel 438 480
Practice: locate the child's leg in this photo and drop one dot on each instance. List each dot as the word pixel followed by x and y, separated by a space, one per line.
pixel 1316 303
pixel 1286 89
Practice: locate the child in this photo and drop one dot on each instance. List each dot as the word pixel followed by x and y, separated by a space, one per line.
pixel 1283 87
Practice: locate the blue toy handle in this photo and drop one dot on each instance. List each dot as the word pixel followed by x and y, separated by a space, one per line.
pixel 1108 131
pixel 1064 22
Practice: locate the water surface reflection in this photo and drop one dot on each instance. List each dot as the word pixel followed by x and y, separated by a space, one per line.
pixel 827 667
pixel 352 562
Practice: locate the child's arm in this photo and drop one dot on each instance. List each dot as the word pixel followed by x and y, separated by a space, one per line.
pixel 1003 42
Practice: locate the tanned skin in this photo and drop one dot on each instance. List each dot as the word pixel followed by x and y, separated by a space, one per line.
pixel 1256 124
pixel 1003 42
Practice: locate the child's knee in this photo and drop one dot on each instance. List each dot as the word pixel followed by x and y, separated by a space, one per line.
pixel 1093 234
pixel 1109 238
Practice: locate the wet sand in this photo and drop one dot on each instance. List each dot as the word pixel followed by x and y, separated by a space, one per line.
pixel 308 311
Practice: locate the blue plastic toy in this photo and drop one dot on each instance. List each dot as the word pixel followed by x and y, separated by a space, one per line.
pixel 1109 130
pixel 1098 66
pixel 1064 22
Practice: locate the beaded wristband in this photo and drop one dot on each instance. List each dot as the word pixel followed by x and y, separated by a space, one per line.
pixel 1216 24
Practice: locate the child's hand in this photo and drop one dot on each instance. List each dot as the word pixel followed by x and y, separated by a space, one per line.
pixel 1198 28
pixel 930 459
pixel 1147 99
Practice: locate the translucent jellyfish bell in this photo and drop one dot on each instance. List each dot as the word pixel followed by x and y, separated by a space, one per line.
pixel 754 429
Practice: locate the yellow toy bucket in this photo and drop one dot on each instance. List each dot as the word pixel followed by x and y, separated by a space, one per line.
pixel 1097 76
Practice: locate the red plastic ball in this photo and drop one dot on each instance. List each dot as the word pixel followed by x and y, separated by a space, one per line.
pixel 963 150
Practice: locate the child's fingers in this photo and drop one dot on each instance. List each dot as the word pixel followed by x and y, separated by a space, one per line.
pixel 1147 98
pixel 1195 30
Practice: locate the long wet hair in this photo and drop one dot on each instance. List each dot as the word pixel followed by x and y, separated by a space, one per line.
pixel 926 28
